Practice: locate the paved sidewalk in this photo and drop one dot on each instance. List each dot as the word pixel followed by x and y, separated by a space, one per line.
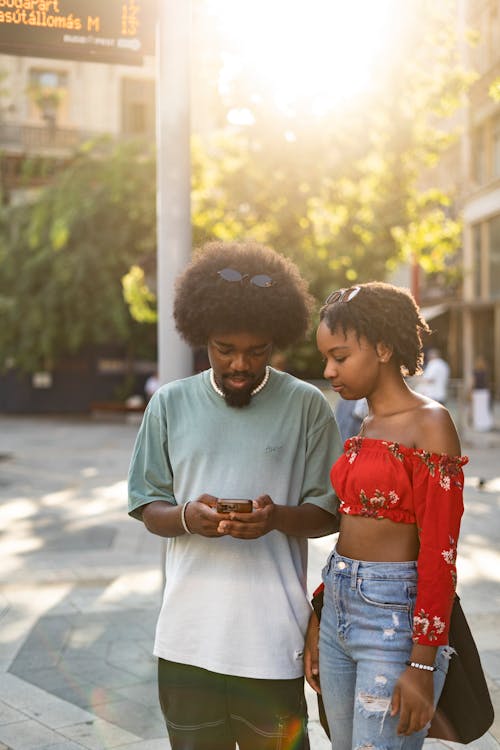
pixel 80 588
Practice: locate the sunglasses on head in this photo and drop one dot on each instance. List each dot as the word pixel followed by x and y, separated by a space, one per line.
pixel 342 295
pixel 261 280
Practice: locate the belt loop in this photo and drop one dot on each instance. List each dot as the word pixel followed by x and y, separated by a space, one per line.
pixel 354 574
pixel 330 562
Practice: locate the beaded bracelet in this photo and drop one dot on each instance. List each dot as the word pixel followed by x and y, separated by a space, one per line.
pixel 183 518
pixel 417 665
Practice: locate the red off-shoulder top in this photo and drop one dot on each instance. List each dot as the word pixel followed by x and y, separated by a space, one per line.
pixel 380 479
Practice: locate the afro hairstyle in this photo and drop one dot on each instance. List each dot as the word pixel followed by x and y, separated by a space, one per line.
pixel 382 313
pixel 206 304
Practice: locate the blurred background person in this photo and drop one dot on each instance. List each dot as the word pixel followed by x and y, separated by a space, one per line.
pixel 482 419
pixel 434 381
pixel 350 415
pixel 151 385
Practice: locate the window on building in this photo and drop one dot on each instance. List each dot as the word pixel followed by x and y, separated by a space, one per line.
pixel 494 259
pixel 47 93
pixel 138 106
pixel 479 155
pixel 476 259
pixel 496 146
pixel 49 79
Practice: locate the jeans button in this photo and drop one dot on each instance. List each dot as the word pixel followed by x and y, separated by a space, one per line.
pixel 340 565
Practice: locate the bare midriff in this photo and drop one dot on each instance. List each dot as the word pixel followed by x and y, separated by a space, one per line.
pixel 377 540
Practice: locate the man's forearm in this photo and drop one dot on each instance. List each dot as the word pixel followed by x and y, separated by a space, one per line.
pixel 162 518
pixel 305 520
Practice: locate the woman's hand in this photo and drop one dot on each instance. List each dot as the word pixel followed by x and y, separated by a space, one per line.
pixel 413 699
pixel 311 653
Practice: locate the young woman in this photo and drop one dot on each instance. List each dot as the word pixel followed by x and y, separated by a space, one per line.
pixel 390 581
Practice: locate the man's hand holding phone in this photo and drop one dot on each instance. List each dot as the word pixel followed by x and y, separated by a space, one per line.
pixel 231 505
pixel 249 519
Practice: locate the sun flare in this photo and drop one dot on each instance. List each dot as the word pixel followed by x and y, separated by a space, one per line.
pixel 299 55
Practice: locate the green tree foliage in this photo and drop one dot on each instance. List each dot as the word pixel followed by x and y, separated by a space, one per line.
pixel 341 194
pixel 430 235
pixel 63 256
pixel 140 299
pixel 344 195
pixel 494 90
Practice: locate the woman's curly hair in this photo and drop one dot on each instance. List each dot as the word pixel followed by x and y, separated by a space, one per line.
pixel 205 303
pixel 383 313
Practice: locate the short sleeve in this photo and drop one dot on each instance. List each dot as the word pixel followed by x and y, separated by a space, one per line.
pixel 324 447
pixel 438 495
pixel 150 474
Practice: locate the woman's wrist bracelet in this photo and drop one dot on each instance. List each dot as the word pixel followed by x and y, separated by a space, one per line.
pixel 417 665
pixel 183 518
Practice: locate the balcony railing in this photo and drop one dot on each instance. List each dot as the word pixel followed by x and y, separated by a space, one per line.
pixel 35 138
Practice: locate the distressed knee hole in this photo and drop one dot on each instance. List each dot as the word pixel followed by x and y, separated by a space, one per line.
pixel 373 704
pixel 388 634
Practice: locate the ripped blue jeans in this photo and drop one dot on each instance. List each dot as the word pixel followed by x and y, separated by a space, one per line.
pixel 365 639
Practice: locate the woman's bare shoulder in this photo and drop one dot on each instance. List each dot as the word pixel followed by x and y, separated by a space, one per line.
pixel 435 430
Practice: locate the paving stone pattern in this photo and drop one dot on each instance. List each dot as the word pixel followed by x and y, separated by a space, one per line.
pixel 80 589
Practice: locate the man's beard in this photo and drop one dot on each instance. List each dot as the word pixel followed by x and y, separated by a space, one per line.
pixel 238 399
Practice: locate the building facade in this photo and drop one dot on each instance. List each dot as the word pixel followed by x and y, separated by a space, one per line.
pixel 49 107
pixel 480 194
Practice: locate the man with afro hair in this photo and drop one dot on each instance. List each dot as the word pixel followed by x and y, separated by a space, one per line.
pixel 230 634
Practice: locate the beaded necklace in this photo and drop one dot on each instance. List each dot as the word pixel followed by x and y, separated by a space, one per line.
pixel 256 390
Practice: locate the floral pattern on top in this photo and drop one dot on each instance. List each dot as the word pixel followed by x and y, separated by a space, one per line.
pixel 427 626
pixel 373 506
pixel 448 467
pixel 354 446
pixel 395 450
pixel 383 479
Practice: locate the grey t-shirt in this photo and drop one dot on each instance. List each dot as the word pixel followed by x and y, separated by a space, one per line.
pixel 235 606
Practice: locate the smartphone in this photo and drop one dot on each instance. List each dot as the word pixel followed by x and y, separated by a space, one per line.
pixel 230 505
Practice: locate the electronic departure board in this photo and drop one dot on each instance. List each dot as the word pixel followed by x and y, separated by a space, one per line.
pixel 111 31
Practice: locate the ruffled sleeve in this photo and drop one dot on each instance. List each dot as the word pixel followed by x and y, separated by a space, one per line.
pixel 438 482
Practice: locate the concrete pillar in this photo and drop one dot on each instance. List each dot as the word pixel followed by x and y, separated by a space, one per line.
pixel 174 178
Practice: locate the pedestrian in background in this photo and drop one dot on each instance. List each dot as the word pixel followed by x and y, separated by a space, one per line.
pixel 434 381
pixel 350 416
pixel 230 634
pixel 151 385
pixel 390 581
pixel 482 418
